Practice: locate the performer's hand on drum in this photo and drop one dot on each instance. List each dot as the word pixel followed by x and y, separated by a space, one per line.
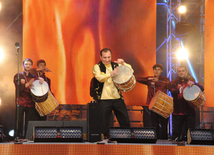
pixel 190 83
pixel 115 71
pixel 180 88
pixel 29 84
pixel 120 61
pixel 41 80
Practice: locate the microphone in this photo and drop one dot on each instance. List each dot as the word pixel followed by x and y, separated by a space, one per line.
pixel 17 45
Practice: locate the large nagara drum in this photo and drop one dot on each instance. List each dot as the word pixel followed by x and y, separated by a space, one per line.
pixel 43 98
pixel 39 91
pixel 194 95
pixel 161 104
pixel 125 80
pixel 47 106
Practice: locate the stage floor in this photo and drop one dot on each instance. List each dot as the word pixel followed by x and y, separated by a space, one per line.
pixel 103 148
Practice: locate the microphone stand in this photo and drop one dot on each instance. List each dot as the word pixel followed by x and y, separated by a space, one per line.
pixel 17 99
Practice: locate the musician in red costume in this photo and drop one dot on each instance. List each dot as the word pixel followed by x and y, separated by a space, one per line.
pixel 183 112
pixel 41 69
pixel 26 103
pixel 155 83
pixel 107 94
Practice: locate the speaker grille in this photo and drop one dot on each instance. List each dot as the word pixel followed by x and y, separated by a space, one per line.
pixel 70 133
pixel 201 135
pixel 120 133
pixel 144 133
pixel 45 132
pixel 133 135
pixel 58 134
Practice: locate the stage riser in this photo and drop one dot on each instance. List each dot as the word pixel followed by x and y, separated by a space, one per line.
pixel 95 149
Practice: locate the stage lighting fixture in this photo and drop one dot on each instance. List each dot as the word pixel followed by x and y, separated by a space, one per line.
pixel 183 29
pixel 200 136
pixel 182 9
pixel 11 133
pixel 133 135
pixel 182 54
pixel 57 134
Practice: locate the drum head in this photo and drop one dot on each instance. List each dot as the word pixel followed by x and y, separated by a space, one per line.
pixel 39 89
pixel 191 93
pixel 124 74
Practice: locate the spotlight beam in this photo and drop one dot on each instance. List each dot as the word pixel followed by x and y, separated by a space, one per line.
pixel 13 22
pixel 192 71
pixel 192 11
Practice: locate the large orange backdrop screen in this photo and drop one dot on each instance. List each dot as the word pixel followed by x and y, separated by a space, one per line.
pixel 68 35
pixel 209 54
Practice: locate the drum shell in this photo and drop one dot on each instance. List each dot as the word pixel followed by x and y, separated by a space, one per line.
pixel 39 98
pixel 125 80
pixel 39 92
pixel 161 104
pixel 199 98
pixel 199 101
pixel 47 106
pixel 127 86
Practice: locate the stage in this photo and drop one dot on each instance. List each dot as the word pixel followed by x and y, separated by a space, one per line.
pixel 161 147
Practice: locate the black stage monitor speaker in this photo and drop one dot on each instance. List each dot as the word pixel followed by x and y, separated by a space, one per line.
pixel 133 135
pixel 57 134
pixel 31 124
pixel 94 122
pixel 81 123
pixel 200 136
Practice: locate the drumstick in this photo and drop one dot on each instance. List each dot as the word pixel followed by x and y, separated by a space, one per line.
pixel 48 70
pixel 56 73
pixel 42 90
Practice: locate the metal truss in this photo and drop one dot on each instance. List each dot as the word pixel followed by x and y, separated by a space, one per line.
pixel 201 54
pixel 172 44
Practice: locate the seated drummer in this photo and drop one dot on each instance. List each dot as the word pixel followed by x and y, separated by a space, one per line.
pixel 109 97
pixel 155 83
pixel 183 112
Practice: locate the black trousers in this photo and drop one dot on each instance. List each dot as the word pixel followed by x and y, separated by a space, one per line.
pixel 30 115
pixel 119 108
pixel 178 122
pixel 147 122
pixel 160 124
